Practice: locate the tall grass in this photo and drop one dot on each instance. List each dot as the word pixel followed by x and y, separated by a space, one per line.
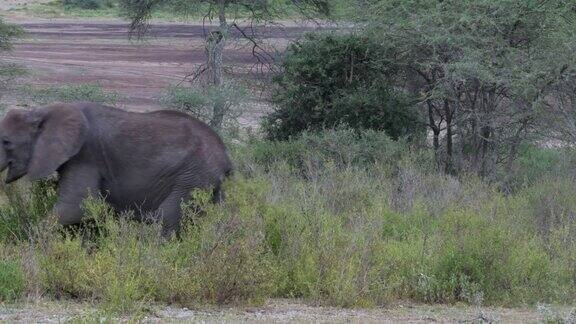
pixel 341 218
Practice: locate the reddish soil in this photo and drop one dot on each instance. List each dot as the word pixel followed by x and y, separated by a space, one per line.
pixel 72 52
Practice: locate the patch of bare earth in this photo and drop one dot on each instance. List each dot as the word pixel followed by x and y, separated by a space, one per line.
pixel 282 311
pixel 73 51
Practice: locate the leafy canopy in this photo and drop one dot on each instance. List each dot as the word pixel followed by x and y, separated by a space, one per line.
pixel 518 44
pixel 139 12
pixel 482 67
pixel 333 79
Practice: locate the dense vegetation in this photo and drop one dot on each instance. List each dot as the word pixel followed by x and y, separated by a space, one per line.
pixel 488 74
pixel 333 218
pixel 330 80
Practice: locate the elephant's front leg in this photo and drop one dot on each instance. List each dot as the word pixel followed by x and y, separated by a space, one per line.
pixel 77 182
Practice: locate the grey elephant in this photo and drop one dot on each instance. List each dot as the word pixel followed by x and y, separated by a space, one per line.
pixel 145 162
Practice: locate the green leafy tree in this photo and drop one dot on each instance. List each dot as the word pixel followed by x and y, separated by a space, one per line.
pixel 333 79
pixel 139 12
pixel 480 67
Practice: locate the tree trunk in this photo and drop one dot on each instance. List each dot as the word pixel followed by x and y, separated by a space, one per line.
pixel 514 147
pixel 215 44
pixel 435 130
pixel 486 133
pixel 449 146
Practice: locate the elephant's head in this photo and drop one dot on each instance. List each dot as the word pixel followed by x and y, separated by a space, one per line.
pixel 37 142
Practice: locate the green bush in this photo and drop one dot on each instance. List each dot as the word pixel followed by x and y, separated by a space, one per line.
pixel 8 33
pixel 8 71
pixel 534 163
pixel 88 4
pixel 23 208
pixel 12 282
pixel 342 147
pixel 338 79
pixel 70 93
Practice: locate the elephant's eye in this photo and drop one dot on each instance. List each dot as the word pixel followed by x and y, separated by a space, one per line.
pixel 6 143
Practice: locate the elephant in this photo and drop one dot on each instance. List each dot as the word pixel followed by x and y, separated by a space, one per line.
pixel 144 162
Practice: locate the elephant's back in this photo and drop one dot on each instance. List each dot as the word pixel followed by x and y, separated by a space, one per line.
pixel 211 147
pixel 163 137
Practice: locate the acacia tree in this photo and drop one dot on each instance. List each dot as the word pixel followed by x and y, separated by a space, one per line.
pixel 480 68
pixel 140 11
pixel 560 110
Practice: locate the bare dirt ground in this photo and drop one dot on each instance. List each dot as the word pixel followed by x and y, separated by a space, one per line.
pixel 283 311
pixel 73 51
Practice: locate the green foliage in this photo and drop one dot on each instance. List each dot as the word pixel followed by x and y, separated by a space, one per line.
pixel 336 218
pixel 535 163
pixel 11 281
pixel 342 147
pixel 139 11
pixel 223 258
pixel 24 207
pixel 491 67
pixel 56 9
pixel 70 93
pixel 8 72
pixel 170 10
pixel 8 33
pixel 333 79
pixel 88 4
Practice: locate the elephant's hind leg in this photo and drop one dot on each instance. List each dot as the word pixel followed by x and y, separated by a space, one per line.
pixel 218 194
pixel 170 214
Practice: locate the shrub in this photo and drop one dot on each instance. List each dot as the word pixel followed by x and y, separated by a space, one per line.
pixel 535 163
pixel 233 263
pixel 8 72
pixel 25 206
pixel 71 93
pixel 11 281
pixel 64 265
pixel 343 147
pixel 87 4
pixel 334 79
pixel 8 33
pixel 222 259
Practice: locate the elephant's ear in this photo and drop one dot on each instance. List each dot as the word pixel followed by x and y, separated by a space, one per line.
pixel 61 133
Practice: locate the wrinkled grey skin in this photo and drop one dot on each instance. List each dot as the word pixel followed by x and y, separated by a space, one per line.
pixel 145 162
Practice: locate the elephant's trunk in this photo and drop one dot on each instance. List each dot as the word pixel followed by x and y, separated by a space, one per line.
pixel 3 160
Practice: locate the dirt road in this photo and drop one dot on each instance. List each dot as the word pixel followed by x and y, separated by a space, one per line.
pixel 59 52
pixel 283 311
